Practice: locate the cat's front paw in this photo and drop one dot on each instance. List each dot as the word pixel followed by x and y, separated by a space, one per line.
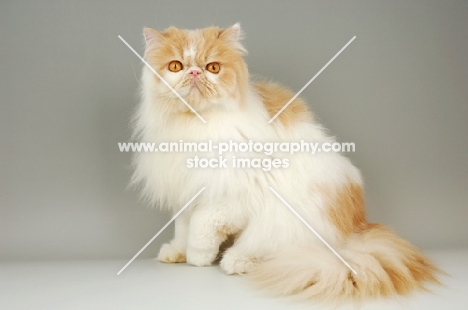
pixel 169 254
pixel 234 263
pixel 200 257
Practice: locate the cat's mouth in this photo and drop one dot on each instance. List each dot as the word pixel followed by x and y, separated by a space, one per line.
pixel 190 86
pixel 196 90
pixel 194 82
pixel 195 85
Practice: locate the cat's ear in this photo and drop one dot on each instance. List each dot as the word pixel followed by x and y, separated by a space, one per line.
pixel 233 35
pixel 152 37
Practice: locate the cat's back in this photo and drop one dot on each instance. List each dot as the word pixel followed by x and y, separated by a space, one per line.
pixel 275 97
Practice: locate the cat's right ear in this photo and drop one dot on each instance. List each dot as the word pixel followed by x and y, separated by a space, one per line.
pixel 152 37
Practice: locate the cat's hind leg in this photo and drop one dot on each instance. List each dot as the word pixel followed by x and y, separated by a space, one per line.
pixel 244 254
pixel 208 230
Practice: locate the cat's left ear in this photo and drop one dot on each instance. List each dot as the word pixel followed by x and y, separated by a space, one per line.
pixel 233 35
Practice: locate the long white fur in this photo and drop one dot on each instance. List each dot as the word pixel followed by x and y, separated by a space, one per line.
pixel 234 198
pixel 271 243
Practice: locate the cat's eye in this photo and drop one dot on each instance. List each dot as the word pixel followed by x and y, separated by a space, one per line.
pixel 213 67
pixel 175 66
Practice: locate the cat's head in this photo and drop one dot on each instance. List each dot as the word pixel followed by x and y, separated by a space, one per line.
pixel 204 66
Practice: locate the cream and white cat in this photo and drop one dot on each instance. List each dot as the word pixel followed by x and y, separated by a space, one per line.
pixel 271 245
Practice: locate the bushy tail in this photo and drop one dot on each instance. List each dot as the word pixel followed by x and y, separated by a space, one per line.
pixel 385 264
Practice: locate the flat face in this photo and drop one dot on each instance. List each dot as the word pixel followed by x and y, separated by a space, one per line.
pixel 203 65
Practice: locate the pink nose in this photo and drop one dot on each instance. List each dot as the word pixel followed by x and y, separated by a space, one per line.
pixel 195 72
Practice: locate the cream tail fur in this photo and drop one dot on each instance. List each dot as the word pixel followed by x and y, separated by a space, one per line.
pixel 385 263
pixel 271 244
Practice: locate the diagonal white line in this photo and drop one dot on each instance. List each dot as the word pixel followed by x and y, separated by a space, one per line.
pixel 313 230
pixel 311 80
pixel 160 231
pixel 164 81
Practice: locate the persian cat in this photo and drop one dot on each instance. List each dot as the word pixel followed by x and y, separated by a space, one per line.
pixel 270 244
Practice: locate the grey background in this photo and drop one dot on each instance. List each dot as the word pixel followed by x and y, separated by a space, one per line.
pixel 69 86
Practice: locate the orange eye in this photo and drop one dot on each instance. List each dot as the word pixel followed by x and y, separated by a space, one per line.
pixel 213 67
pixel 175 66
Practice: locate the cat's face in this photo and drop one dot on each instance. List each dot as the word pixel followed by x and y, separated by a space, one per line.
pixel 204 66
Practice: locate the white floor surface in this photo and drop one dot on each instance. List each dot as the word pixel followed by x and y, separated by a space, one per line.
pixel 147 284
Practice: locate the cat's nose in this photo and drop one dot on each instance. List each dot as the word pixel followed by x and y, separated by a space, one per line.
pixel 195 72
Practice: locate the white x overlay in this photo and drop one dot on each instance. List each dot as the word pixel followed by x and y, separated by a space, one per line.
pixel 161 230
pixel 313 230
pixel 271 120
pixel 163 80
